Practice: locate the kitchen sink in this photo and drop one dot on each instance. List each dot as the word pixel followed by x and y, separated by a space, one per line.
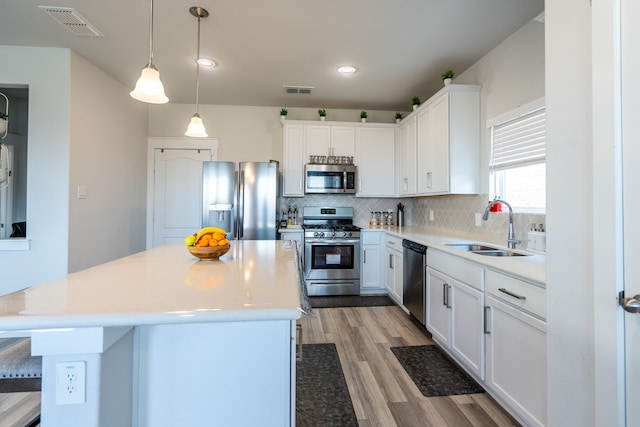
pixel 472 247
pixel 480 249
pixel 499 252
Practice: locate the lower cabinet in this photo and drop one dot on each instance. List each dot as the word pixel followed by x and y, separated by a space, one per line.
pixel 371 274
pixel 455 319
pixel 297 235
pixel 392 263
pixel 517 346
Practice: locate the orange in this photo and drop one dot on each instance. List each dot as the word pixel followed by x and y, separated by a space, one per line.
pixel 223 242
pixel 217 236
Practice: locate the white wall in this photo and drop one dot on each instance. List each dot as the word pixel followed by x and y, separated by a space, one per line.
pixel 48 164
pixel 570 283
pixel 511 75
pixel 106 151
pixel 109 157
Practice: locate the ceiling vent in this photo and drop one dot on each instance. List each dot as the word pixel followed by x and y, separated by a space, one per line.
pixel 72 21
pixel 299 90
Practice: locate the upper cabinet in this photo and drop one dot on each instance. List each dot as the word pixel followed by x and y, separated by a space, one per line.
pixel 330 140
pixel 293 161
pixel 435 150
pixel 375 154
pixel 407 147
pixel 448 142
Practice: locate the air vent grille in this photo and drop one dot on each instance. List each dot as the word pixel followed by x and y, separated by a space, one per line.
pixel 72 21
pixel 298 90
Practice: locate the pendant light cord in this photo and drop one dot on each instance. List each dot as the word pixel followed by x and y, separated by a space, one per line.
pixel 198 69
pixel 151 34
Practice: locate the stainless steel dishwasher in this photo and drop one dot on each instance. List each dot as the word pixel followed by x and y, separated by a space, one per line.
pixel 414 270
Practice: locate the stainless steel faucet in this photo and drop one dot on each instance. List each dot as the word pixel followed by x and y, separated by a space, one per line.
pixel 511 238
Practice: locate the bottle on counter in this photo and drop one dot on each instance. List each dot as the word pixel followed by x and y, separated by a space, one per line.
pixel 289 217
pixel 373 222
pixel 295 216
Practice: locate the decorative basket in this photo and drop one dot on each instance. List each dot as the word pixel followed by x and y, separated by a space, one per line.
pixel 208 252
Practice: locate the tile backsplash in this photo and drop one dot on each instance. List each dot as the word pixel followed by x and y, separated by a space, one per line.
pixel 454 215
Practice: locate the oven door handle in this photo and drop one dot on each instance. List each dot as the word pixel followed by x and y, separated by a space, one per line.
pixel 326 242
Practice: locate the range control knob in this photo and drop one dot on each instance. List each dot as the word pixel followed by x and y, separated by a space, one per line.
pixel 332 234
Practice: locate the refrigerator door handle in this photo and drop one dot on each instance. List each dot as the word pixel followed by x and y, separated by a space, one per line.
pixel 240 212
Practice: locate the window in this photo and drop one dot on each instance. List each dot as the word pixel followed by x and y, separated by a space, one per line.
pixel 517 168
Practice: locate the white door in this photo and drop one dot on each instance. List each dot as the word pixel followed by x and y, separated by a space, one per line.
pixel 177 193
pixel 631 195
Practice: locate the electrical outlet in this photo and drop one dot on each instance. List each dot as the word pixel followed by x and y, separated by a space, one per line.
pixel 71 382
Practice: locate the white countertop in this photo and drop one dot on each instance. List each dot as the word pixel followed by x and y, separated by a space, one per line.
pixel 529 268
pixel 255 280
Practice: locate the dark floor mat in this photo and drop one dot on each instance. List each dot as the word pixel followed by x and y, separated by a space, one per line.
pixel 350 301
pixel 322 396
pixel 433 372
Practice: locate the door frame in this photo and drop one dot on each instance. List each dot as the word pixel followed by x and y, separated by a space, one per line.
pixel 176 143
pixel 608 262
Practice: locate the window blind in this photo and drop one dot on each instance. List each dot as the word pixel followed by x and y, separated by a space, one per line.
pixel 519 142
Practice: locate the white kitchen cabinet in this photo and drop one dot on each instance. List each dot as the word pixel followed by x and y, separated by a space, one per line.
pixel 293 161
pixel 393 268
pixel 371 265
pixel 448 147
pixel 330 140
pixel 375 154
pixel 455 309
pixel 407 163
pixel 517 347
pixel 294 234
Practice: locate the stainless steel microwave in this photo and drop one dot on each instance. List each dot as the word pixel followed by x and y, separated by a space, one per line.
pixel 327 179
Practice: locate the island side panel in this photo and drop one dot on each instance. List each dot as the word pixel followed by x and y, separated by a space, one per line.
pixel 222 373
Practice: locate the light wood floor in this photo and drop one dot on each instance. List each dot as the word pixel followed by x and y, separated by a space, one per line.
pixel 381 391
pixel 18 409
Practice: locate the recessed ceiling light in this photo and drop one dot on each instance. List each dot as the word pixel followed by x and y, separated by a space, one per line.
pixel 207 63
pixel 347 70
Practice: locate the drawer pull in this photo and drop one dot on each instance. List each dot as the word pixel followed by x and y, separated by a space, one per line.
pixel 511 294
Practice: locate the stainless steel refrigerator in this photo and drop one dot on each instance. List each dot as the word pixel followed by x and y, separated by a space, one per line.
pixel 243 202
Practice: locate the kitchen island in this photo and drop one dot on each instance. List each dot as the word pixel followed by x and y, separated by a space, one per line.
pixel 163 339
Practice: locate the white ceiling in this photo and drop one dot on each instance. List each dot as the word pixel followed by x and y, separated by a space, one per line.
pixel 400 47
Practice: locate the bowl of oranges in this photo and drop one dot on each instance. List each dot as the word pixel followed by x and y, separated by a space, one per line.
pixel 208 243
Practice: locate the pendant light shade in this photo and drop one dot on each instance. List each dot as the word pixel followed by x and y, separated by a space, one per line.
pixel 149 88
pixel 196 127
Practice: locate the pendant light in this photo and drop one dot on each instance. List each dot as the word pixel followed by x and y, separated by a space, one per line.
pixel 196 127
pixel 149 88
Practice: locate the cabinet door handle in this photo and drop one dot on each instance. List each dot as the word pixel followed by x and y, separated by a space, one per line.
pixel 511 294
pixel 445 295
pixel 391 261
pixel 429 180
pixel 487 310
pixel 364 256
pixel 448 296
pixel 299 342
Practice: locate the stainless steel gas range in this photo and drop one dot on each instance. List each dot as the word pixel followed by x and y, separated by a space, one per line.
pixel 331 251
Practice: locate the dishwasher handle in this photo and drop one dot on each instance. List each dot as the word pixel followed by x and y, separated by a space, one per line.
pixel 416 247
